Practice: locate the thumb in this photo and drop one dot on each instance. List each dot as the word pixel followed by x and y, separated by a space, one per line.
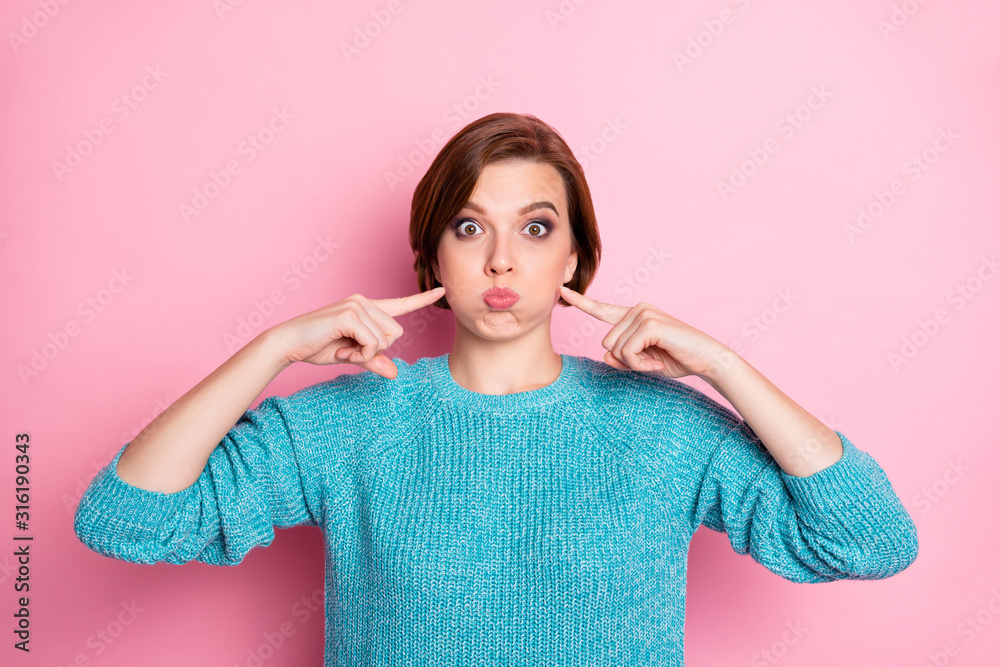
pixel 380 365
pixel 610 360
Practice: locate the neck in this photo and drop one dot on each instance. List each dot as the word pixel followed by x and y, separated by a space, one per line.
pixel 504 367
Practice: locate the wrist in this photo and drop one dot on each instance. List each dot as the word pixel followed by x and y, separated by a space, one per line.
pixel 721 362
pixel 272 347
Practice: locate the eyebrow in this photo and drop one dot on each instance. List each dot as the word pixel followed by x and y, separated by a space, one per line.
pixel 527 209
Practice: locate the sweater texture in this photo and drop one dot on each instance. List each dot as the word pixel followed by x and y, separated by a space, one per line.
pixel 546 527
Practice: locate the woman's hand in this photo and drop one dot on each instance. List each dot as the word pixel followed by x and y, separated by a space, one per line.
pixel 644 338
pixel 353 330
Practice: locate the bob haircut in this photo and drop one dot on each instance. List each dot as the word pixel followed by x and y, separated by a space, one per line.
pixel 450 180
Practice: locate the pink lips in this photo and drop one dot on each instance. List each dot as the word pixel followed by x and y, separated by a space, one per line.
pixel 500 298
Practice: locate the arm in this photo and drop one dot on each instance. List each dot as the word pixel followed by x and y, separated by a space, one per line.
pixel 210 480
pixel 821 508
pixel 644 338
pixel 171 452
pixel 797 495
pixel 801 444
pixel 843 522
pixel 264 474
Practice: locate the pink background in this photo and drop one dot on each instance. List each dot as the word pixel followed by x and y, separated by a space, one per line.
pixel 123 304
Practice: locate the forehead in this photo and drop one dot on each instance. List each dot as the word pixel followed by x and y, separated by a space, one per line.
pixel 521 183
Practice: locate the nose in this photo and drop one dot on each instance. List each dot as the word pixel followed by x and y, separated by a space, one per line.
pixel 501 258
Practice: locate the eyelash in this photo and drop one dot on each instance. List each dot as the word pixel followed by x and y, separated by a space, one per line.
pixel 458 225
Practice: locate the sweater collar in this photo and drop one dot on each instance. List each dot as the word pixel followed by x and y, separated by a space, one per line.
pixel 447 390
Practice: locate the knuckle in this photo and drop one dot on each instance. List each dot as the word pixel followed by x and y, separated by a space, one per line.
pixel 356 300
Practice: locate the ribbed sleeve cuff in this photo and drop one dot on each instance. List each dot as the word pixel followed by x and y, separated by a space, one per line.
pixel 117 519
pixel 847 483
pixel 853 500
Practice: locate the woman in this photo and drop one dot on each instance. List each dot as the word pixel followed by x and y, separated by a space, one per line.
pixel 501 503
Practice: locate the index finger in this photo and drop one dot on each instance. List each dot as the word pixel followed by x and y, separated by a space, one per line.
pixel 407 304
pixel 606 312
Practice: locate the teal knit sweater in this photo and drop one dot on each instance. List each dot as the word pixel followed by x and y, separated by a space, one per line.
pixel 546 527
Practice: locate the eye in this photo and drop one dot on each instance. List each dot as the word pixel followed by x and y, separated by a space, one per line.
pixel 538 228
pixel 465 227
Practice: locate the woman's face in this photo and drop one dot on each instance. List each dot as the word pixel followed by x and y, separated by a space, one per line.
pixel 513 233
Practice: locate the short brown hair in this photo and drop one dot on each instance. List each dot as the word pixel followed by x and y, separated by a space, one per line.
pixel 450 180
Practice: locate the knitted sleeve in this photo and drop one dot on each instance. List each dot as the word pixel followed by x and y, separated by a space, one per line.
pixel 252 483
pixel 843 522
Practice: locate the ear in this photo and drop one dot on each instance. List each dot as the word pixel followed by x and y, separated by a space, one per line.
pixel 570 267
pixel 437 272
